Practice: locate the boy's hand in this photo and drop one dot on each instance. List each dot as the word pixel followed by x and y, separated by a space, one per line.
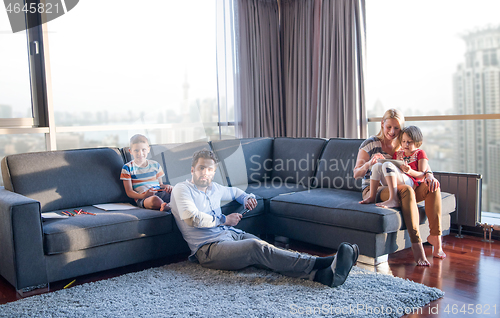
pixel 148 193
pixel 167 187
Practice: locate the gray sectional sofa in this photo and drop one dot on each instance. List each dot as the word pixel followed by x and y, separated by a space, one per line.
pixel 304 187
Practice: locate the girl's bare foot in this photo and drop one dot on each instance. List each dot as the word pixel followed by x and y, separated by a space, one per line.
pixel 391 203
pixel 367 201
pixel 419 254
pixel 437 246
pixel 164 206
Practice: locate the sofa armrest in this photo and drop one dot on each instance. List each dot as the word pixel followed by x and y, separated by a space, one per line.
pixel 22 261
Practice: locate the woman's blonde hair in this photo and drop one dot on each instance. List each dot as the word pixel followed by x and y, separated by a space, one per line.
pixel 391 113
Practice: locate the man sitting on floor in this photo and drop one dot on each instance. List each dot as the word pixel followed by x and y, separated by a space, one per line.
pixel 216 244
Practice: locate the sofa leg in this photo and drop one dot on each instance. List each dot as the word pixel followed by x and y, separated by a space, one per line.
pixel 281 241
pixel 33 290
pixel 374 261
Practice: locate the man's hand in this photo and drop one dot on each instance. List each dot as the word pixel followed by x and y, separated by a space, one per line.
pixel 251 204
pixel 233 219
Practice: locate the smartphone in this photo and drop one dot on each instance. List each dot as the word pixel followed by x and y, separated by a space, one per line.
pixel 244 211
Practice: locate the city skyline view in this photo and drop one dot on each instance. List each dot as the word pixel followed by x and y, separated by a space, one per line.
pixel 158 66
pixel 476 90
pixel 415 47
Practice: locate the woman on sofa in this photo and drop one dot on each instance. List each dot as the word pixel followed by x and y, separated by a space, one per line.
pixel 383 146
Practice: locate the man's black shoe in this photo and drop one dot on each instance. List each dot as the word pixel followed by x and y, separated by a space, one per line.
pixel 347 255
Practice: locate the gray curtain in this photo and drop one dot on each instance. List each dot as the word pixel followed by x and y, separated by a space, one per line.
pixel 341 107
pixel 259 105
pixel 313 75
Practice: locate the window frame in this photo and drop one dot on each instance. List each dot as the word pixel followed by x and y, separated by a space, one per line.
pixel 12 125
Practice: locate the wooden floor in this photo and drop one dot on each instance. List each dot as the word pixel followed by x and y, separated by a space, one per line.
pixel 469 276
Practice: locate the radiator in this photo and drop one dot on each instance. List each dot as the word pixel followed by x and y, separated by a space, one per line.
pixel 467 190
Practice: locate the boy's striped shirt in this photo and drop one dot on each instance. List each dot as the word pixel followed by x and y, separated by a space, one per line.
pixel 142 178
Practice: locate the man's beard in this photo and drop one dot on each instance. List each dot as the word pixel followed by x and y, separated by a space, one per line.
pixel 202 183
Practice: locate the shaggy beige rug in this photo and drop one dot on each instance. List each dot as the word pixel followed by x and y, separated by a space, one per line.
pixel 189 290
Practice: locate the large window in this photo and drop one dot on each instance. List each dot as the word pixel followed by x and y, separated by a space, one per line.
pixel 422 54
pixel 133 65
pixel 438 62
pixel 15 97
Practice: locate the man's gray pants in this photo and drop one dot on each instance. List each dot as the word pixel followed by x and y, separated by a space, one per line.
pixel 248 250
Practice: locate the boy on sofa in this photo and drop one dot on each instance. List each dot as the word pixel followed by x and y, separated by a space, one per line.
pixel 142 177
pixel 215 242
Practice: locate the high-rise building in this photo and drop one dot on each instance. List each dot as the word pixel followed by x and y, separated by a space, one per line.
pixel 476 89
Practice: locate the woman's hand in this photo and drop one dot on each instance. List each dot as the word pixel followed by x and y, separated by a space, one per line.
pixel 432 183
pixel 364 162
pixel 374 159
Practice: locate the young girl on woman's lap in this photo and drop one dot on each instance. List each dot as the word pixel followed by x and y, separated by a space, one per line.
pixel 383 146
pixel 411 172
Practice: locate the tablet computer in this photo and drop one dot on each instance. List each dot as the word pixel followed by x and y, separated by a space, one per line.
pixel 397 163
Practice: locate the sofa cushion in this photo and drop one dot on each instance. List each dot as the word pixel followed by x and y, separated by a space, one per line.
pixel 340 208
pixel 87 231
pixel 245 160
pixel 68 178
pixel 336 165
pixel 295 159
pixel 175 159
